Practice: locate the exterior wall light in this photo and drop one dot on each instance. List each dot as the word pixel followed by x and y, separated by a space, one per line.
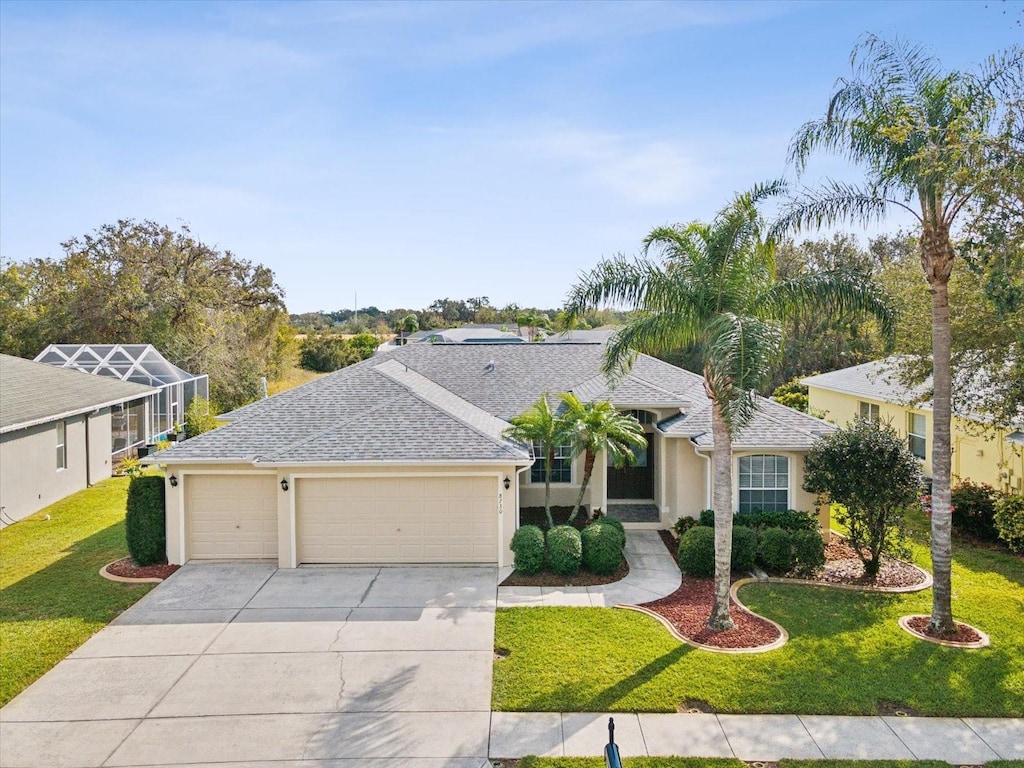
pixel 284 483
pixel 173 481
pixel 507 483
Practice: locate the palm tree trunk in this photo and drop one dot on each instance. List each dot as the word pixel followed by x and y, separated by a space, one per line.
pixel 588 470
pixel 942 522
pixel 547 487
pixel 721 465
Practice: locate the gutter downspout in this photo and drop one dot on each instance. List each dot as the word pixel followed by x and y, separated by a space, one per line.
pixel 518 486
pixel 707 473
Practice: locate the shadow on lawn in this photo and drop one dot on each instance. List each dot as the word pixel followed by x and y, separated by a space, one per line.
pixel 71 586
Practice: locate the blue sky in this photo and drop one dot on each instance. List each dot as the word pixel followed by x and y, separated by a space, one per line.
pixel 413 151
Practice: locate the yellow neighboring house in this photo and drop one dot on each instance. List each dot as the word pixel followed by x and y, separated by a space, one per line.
pixel 982 452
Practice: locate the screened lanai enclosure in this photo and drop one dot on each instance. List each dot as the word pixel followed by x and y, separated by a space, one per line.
pixel 142 422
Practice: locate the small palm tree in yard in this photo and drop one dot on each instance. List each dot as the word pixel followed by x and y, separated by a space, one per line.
pixel 541 426
pixel 715 289
pixel 929 142
pixel 596 427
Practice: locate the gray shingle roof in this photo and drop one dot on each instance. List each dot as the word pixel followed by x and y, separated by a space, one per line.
pixel 451 403
pixel 773 426
pixel 877 380
pixel 34 393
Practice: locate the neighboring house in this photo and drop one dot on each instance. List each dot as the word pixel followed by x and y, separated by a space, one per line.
pixel 402 458
pixel 475 334
pixel 56 432
pixel 142 364
pixel 589 336
pixel 982 452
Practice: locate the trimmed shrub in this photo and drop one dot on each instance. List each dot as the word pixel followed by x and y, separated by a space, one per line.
pixel 787 519
pixel 528 545
pixel 697 551
pixel 808 552
pixel 615 523
pixel 602 548
pixel 776 548
pixel 744 548
pixel 565 549
pixel 144 520
pixel 1009 520
pixel 199 417
pixel 974 510
pixel 683 524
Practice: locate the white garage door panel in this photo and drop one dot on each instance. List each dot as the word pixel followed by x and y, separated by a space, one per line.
pixel 397 520
pixel 231 516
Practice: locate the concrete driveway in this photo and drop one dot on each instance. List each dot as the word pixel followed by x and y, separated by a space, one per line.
pixel 244 663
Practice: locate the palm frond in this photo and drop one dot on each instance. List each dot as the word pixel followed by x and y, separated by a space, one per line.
pixel 653 334
pixel 832 203
pixel 832 293
pixel 636 283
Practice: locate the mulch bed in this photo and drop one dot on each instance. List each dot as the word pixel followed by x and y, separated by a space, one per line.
pixel 963 633
pixel 688 608
pixel 126 568
pixel 549 579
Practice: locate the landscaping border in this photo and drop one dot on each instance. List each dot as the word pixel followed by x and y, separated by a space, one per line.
pixel 125 579
pixel 904 622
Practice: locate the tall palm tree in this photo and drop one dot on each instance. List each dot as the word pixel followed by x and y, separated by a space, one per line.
pixel 596 427
pixel 541 425
pixel 925 139
pixel 716 290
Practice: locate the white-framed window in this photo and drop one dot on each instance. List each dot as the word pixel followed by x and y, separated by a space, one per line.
pixel 763 483
pixel 62 445
pixel 561 468
pixel 869 411
pixel 916 435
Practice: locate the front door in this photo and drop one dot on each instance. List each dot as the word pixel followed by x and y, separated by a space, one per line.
pixel 634 481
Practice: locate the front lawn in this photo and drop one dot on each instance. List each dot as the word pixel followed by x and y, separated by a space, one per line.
pixel 846 654
pixel 52 598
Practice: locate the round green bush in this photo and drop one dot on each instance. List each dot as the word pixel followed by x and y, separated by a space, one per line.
pixel 744 548
pixel 776 545
pixel 1009 521
pixel 808 551
pixel 697 551
pixel 565 549
pixel 145 530
pixel 602 548
pixel 528 545
pixel 615 523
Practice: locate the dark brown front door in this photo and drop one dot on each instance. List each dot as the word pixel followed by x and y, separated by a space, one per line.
pixel 634 481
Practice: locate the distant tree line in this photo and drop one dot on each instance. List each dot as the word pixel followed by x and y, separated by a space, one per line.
pixel 139 282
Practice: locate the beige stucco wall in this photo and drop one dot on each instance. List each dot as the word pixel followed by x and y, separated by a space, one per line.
pixel 980 453
pixel 29 478
pixel 175 499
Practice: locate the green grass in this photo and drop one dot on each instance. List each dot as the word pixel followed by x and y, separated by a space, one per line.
pixel 52 598
pixel 845 654
pixel 725 762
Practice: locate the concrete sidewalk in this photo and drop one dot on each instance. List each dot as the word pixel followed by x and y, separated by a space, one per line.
pixel 652 575
pixel 759 737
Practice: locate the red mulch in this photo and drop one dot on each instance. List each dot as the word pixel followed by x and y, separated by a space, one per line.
pixel 549 579
pixel 963 633
pixel 688 608
pixel 126 568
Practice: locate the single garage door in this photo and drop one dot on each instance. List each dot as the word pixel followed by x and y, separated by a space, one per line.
pixel 231 516
pixel 397 520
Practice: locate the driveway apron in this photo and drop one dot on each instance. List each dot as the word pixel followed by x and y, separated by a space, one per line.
pixel 243 663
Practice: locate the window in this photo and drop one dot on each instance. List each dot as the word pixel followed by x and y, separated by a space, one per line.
pixel 561 469
pixel 644 417
pixel 869 411
pixel 764 483
pixel 62 446
pixel 916 434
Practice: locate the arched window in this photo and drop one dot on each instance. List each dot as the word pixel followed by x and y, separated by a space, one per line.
pixel 763 483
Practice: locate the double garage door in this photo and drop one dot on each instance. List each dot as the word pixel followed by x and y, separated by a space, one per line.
pixel 400 519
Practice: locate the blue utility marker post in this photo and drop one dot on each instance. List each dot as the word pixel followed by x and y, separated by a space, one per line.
pixel 611 752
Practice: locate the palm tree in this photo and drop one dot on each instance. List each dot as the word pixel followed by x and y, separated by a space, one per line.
pixel 596 427
pixel 540 425
pixel 716 290
pixel 925 140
